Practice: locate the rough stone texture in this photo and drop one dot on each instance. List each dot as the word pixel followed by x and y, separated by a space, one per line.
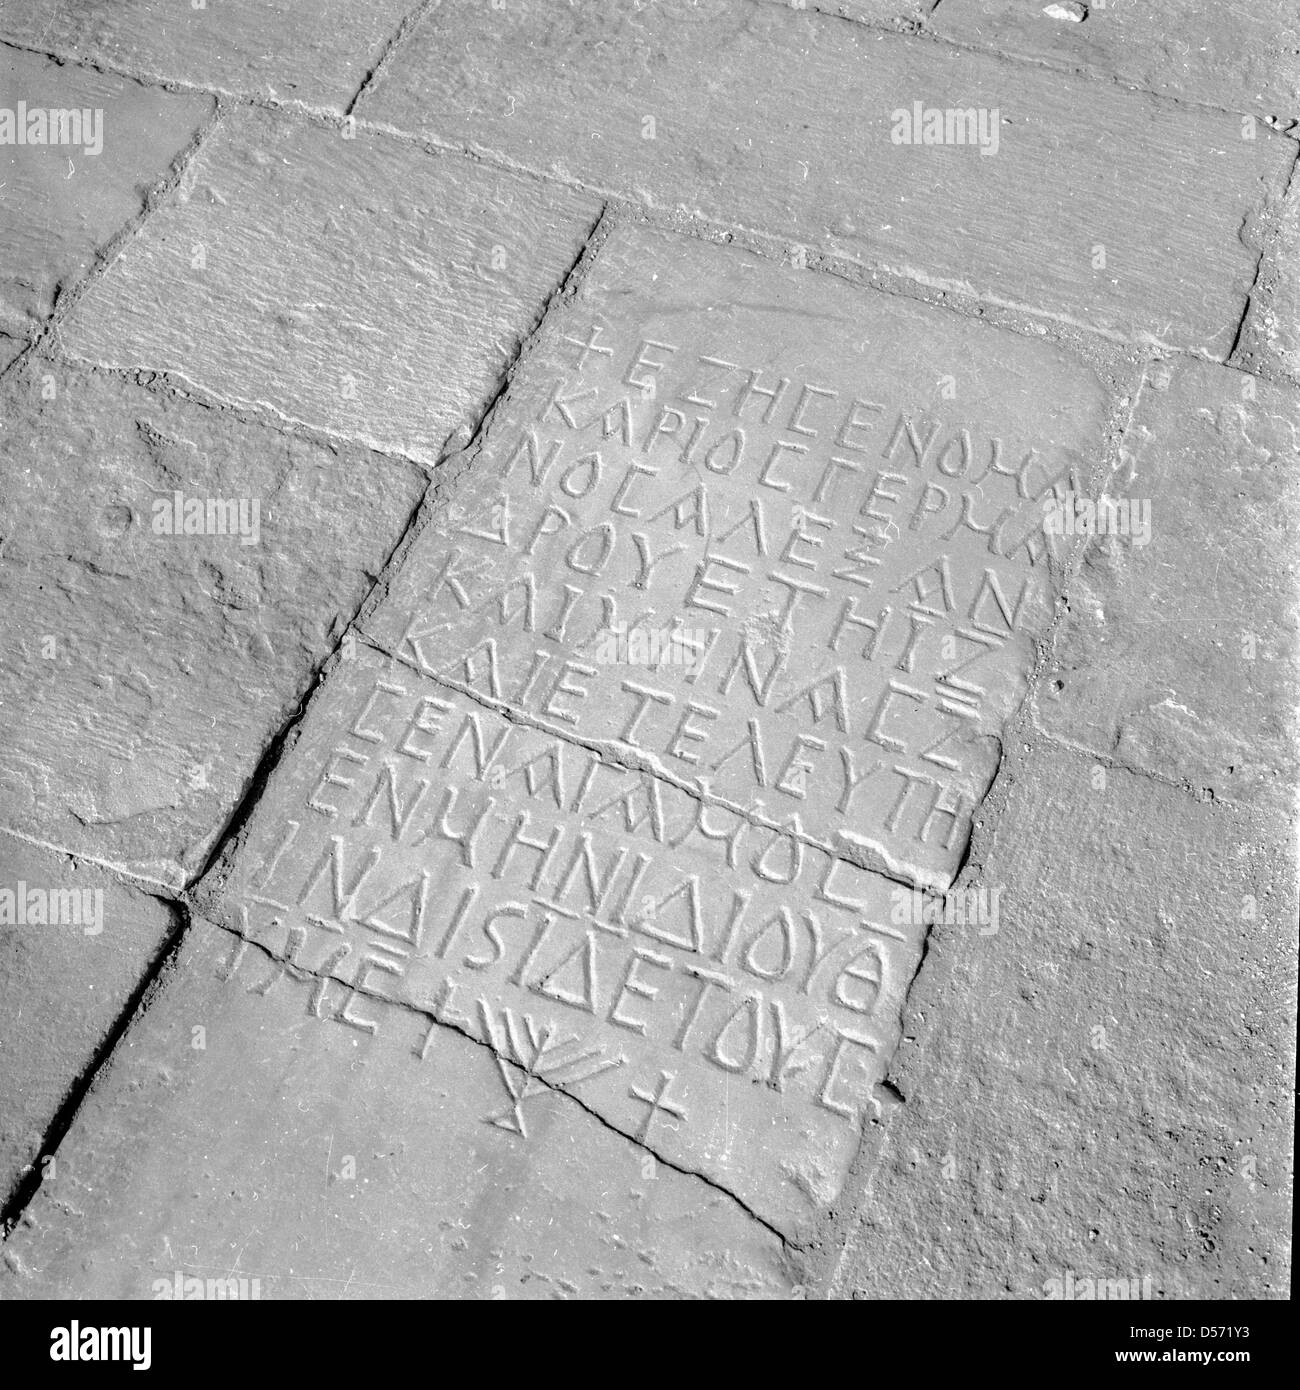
pixel 327 1161
pixel 9 349
pixel 520 825
pixel 894 13
pixel 145 673
pixel 788 131
pixel 1102 1087
pixel 267 48
pixel 366 287
pixel 63 986
pixel 1241 55
pixel 1270 336
pixel 1179 657
pixel 58 205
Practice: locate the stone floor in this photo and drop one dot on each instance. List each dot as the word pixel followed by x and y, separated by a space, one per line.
pixel 649 648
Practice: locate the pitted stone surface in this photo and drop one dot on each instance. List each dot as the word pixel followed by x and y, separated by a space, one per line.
pixel 1242 55
pixel 521 822
pixel 146 672
pixel 68 966
pixel 1178 656
pixel 268 48
pixel 1270 335
pixel 1128 244
pixel 367 287
pixel 59 203
pixel 352 1162
pixel 1102 1086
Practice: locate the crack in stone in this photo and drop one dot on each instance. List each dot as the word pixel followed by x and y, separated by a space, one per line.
pixel 137 1003
pixel 1266 255
pixel 173 385
pixel 860 857
pixel 410 22
pixel 151 887
pixel 454 1026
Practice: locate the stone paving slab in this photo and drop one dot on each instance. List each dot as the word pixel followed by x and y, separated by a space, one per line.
pixel 61 203
pixel 241 1132
pixel 363 286
pixel 676 865
pixel 1241 55
pixel 268 48
pixel 1178 654
pixel 1101 1087
pixel 147 670
pixel 74 944
pixel 1118 232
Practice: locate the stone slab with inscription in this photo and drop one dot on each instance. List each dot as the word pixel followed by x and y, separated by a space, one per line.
pixel 1178 652
pixel 1099 1082
pixel 75 944
pixel 276 50
pixel 244 1132
pixel 61 203
pixel 366 287
pixel 146 668
pixel 1090 208
pixel 1240 55
pixel 688 677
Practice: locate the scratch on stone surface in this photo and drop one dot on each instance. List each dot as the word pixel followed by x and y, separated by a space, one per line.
pixel 454 1027
pixel 144 883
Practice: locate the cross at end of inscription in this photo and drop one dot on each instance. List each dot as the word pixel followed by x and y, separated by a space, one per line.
pixel 657 1100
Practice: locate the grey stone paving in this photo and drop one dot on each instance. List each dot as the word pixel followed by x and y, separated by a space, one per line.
pixel 649 649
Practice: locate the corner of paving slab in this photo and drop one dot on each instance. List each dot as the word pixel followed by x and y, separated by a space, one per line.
pixel 90 1030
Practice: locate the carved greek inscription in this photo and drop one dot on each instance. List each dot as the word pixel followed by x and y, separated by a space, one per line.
pixel 709 650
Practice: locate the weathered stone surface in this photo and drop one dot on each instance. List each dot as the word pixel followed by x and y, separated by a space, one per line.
pixel 238 1135
pixel 897 13
pixel 59 203
pixel 1242 55
pixel 523 817
pixel 9 349
pixel 1178 656
pixel 265 49
pixel 783 121
pixel 1102 1086
pixel 1270 335
pixel 64 982
pixel 144 673
pixel 365 286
